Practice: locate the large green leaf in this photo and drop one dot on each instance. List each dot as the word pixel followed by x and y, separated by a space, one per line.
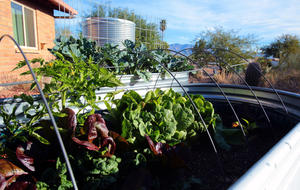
pixel 40 138
pixel 126 128
pixel 135 97
pixel 142 127
pixel 227 136
pixel 169 123
pixel 149 96
pixel 184 117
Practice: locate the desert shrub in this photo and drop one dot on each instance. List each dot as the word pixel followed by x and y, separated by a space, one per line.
pixel 283 79
pixel 265 64
pixel 228 78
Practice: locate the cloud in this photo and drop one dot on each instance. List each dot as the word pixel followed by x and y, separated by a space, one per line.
pixel 266 19
pixel 257 16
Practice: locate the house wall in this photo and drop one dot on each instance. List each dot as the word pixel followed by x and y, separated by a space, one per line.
pixel 9 54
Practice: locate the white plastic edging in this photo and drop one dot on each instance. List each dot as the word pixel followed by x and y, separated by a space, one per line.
pixel 156 79
pixel 279 169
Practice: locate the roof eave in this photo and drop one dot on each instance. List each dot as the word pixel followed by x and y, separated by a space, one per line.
pixel 62 6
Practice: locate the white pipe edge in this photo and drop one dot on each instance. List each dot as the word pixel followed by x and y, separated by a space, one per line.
pixel 279 169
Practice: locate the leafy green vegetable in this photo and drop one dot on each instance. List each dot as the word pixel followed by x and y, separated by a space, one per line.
pixel 74 80
pixel 16 130
pixel 62 173
pixel 225 137
pixel 94 169
pixel 219 135
pixel 80 47
pixel 55 178
pixel 105 166
pixel 165 116
pixel 42 185
pixel 137 60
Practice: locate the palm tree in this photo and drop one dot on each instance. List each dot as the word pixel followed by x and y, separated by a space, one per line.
pixel 163 26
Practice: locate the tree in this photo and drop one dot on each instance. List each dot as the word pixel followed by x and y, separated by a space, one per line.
pixel 163 26
pixel 286 47
pixel 217 40
pixel 145 32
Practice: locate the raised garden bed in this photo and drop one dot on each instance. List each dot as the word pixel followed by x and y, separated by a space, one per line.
pixel 156 79
pixel 202 169
pixel 146 139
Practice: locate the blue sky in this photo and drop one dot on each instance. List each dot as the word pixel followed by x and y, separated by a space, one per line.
pixel 266 19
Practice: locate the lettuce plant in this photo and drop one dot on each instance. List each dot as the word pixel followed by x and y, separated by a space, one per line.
pixel 165 116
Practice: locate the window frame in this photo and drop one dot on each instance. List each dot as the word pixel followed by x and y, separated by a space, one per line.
pixel 24 30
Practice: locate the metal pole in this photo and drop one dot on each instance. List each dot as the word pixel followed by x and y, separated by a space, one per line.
pixel 61 143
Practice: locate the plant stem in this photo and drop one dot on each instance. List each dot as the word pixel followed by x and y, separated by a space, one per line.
pixel 81 109
pixel 63 99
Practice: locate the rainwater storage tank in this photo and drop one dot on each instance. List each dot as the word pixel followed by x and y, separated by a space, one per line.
pixel 109 30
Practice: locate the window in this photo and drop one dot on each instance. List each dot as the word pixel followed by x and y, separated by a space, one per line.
pixel 23 25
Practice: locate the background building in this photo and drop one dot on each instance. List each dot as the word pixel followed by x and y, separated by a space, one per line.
pixel 32 24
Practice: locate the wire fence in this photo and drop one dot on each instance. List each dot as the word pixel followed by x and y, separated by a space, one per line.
pixel 106 23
